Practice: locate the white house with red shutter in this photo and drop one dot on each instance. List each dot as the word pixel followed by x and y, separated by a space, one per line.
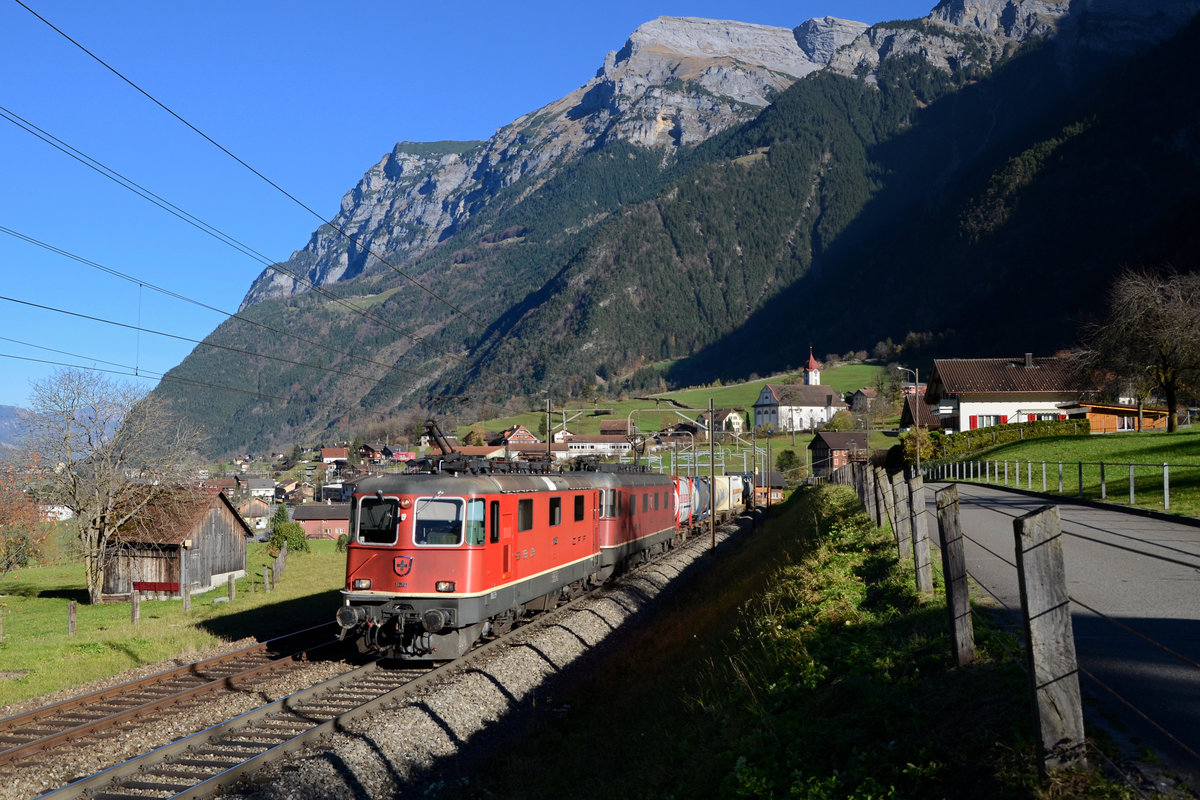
pixel 971 393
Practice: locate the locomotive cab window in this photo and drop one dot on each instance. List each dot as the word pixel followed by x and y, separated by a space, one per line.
pixel 475 523
pixel 579 508
pixel 524 515
pixel 556 511
pixel 438 521
pixel 377 519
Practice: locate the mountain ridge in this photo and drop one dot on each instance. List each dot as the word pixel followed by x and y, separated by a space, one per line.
pixel 589 266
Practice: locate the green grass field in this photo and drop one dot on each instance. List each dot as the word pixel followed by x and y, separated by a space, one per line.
pixel 654 414
pixel 1147 452
pixel 37 656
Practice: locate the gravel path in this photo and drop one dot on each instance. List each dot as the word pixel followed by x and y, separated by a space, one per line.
pixel 379 755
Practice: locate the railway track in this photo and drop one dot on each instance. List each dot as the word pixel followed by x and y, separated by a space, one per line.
pixel 108 712
pixel 207 762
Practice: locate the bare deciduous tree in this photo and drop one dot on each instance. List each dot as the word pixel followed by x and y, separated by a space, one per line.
pixel 110 450
pixel 1150 340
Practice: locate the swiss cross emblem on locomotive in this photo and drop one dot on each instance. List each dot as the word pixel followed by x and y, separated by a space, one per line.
pixel 402 565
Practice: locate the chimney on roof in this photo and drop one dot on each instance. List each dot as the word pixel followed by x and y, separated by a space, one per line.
pixel 1028 360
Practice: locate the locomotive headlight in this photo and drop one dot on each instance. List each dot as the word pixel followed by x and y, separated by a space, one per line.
pixel 444 586
pixel 362 583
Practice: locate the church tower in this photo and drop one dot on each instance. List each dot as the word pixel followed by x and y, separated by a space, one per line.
pixel 812 370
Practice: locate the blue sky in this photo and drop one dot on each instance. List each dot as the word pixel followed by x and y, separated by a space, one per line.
pixel 309 94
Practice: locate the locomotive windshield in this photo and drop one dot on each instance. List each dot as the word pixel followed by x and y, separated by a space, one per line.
pixel 439 521
pixel 377 521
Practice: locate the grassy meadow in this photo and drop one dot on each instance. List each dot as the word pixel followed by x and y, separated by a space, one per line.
pixel 37 656
pixel 1146 452
pixel 800 663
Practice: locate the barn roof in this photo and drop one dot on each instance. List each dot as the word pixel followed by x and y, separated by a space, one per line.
pixel 1028 375
pixel 321 511
pixel 173 515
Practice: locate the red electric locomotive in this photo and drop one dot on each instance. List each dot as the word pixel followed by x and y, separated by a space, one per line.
pixel 438 559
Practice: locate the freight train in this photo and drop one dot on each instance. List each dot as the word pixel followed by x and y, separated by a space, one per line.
pixel 450 552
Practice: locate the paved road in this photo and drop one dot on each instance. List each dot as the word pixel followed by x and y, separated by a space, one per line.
pixel 1142 574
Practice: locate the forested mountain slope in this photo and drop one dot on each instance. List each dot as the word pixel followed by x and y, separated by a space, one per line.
pixel 939 179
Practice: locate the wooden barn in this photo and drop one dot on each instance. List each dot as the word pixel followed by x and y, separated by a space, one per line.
pixel 191 537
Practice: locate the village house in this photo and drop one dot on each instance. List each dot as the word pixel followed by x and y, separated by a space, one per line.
pixel 191 538
pixel 256 512
pixel 323 520
pixel 517 436
pixel 915 412
pixel 256 487
pixel 614 427
pixel 1119 417
pixel 727 420
pixel 832 450
pixel 789 407
pixel 971 393
pixel 332 455
pixel 375 453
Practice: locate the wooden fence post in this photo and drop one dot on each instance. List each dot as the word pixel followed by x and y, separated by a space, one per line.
pixel 135 607
pixel 1103 483
pixel 885 494
pixel 873 493
pixel 902 523
pixel 1166 487
pixel 71 617
pixel 1131 500
pixel 266 577
pixel 1049 639
pixel 186 592
pixel 954 570
pixel 232 589
pixel 920 534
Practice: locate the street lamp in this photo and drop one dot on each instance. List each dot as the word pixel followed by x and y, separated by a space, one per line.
pixel 916 414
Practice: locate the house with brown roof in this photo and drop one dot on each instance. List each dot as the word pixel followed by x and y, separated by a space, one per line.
pixel 971 393
pixel 917 413
pixel 727 420
pixel 323 520
pixel 832 450
pixel 189 537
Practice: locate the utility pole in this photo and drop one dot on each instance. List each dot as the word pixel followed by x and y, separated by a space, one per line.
pixel 549 434
pixel 712 461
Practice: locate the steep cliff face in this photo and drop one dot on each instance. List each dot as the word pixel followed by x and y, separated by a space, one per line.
pixel 677 81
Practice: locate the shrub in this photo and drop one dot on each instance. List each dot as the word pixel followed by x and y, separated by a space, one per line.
pixel 293 534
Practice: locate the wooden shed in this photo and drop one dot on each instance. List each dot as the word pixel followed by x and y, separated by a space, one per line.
pixel 188 537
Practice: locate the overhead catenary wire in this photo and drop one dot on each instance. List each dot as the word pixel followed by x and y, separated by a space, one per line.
pixel 169 293
pixel 196 222
pixel 140 282
pixel 178 337
pixel 341 231
pixel 147 375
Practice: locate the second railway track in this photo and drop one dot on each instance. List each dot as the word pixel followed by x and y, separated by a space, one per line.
pixel 45 742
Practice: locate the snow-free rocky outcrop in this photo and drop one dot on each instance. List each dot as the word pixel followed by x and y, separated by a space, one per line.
pixel 678 81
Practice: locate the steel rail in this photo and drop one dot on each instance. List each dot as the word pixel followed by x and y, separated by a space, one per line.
pixel 214 747
pixel 60 714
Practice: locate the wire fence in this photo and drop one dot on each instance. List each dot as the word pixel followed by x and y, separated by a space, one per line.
pixel 882 497
pixel 1160 486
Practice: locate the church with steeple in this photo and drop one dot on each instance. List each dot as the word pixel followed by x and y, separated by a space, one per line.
pixel 798 407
